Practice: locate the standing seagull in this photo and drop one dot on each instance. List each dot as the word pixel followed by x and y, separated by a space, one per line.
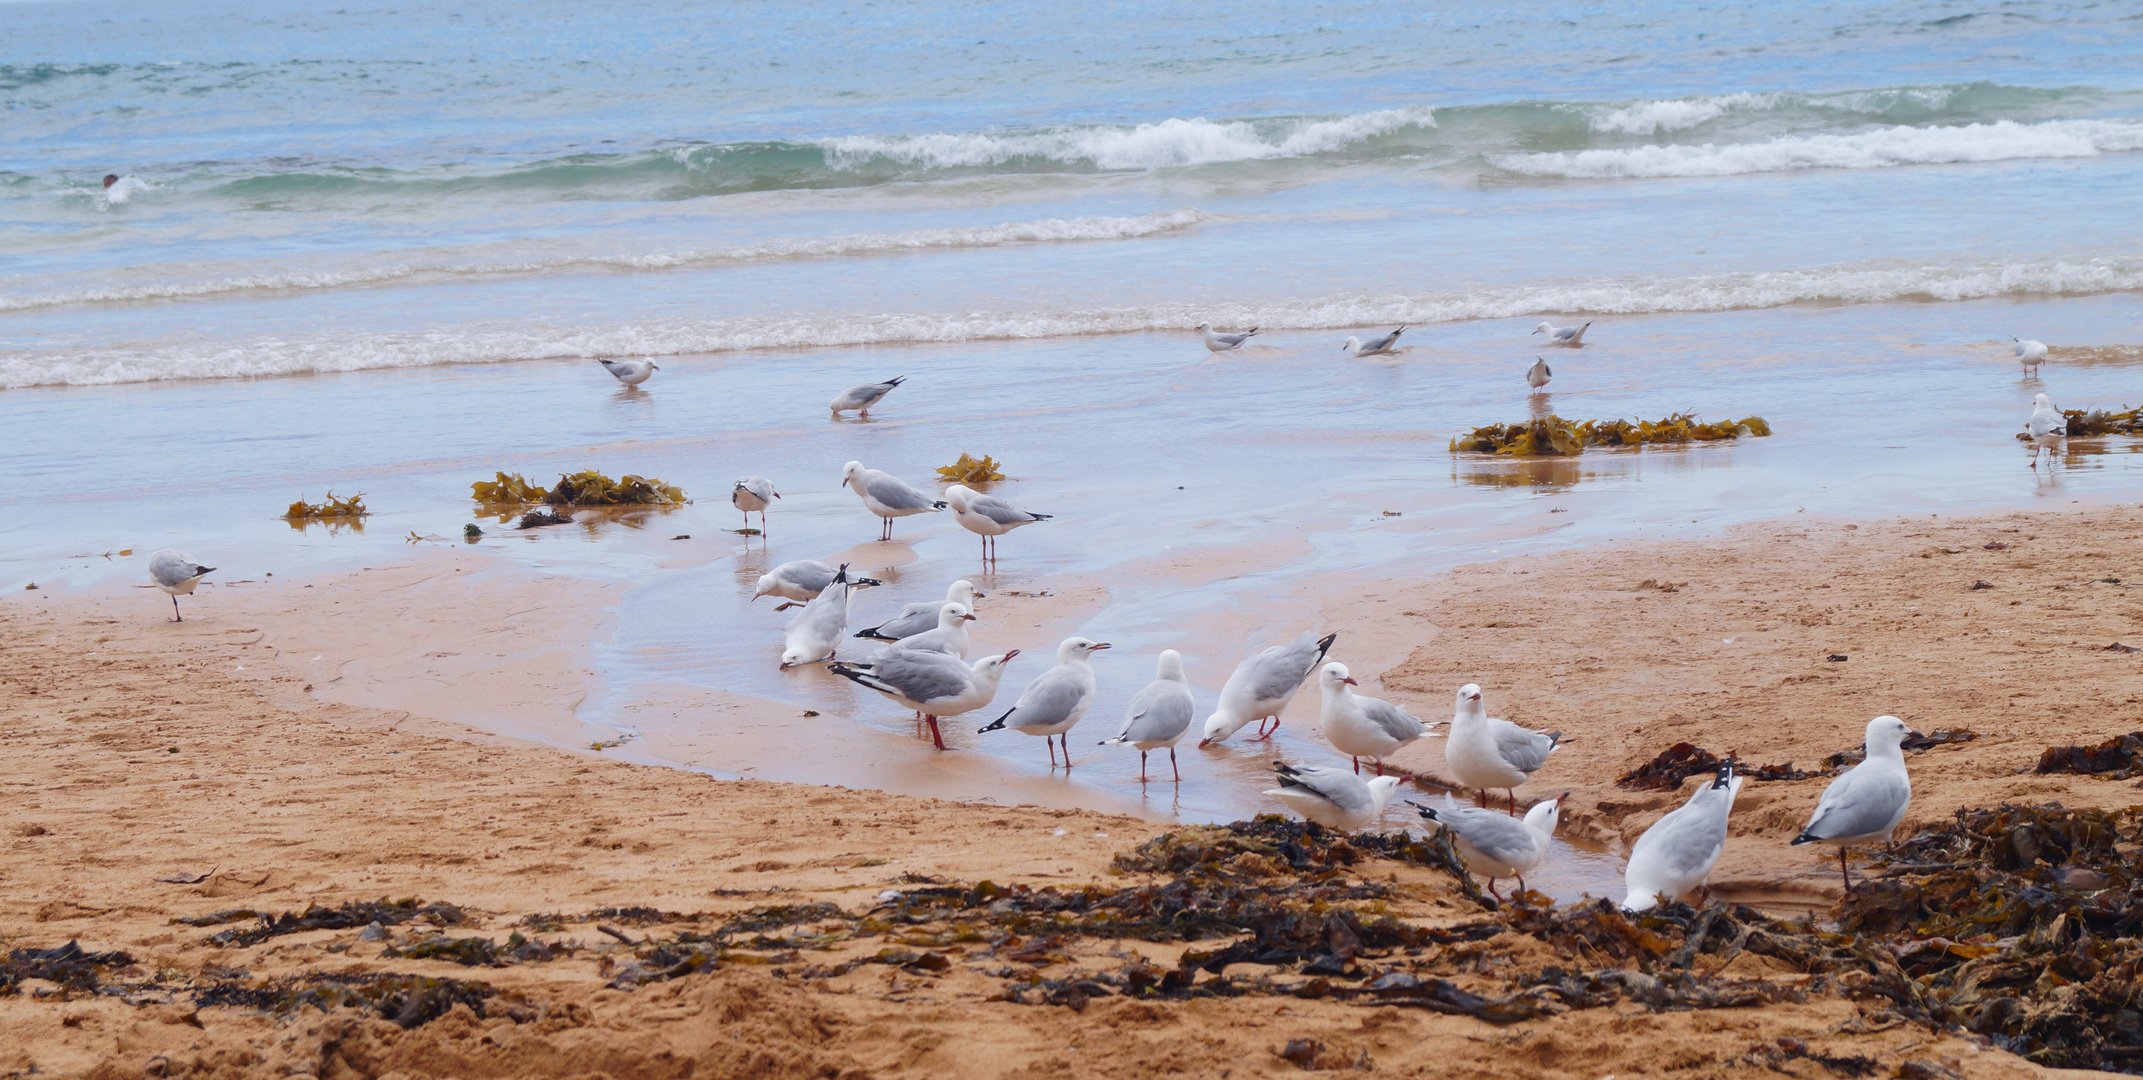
pixel 1496 845
pixel 859 399
pixel 917 618
pixel 1867 801
pixel 1538 375
pixel 1677 853
pixel 2046 426
pixel 1359 726
pixel 1263 684
pixel 799 581
pixel 987 516
pixel 886 495
pixel 1223 342
pixel 1057 698
pixel 1563 337
pixel 1159 714
pixel 753 493
pixel 176 574
pixel 2032 353
pixel 630 372
pixel 1484 753
pixel 1334 798
pixel 933 684
pixel 1374 345
pixel 816 631
pixel 949 636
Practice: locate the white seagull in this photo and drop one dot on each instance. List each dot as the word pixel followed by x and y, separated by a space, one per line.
pixel 1374 345
pixel 1485 753
pixel 753 493
pixel 800 580
pixel 1563 337
pixel 2046 426
pixel 1677 853
pixel 1056 699
pixel 1334 798
pixel 886 495
pixel 949 636
pixel 1263 684
pixel 630 372
pixel 1223 342
pixel 176 574
pixel 1538 375
pixel 917 618
pixel 987 516
pixel 2032 353
pixel 859 399
pixel 933 684
pixel 1497 845
pixel 1159 714
pixel 816 631
pixel 1867 801
pixel 1362 727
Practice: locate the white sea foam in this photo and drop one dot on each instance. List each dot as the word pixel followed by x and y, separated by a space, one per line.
pixel 1657 117
pixel 1882 148
pixel 1168 144
pixel 492 344
pixel 124 188
pixel 1051 230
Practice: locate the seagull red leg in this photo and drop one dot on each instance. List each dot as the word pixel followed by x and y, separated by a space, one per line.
pixel 935 738
pixel 1172 764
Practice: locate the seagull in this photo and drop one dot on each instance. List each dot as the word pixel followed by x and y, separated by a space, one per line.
pixel 861 398
pixel 816 631
pixel 800 581
pixel 1374 345
pixel 176 574
pixel 949 636
pixel 1563 337
pixel 1499 845
pixel 933 684
pixel 1334 798
pixel 753 493
pixel 916 618
pixel 630 372
pixel 987 516
pixel 1486 753
pixel 2047 426
pixel 1538 375
pixel 1057 698
pixel 886 495
pixel 1263 684
pixel 1359 726
pixel 1867 801
pixel 1159 714
pixel 2032 353
pixel 1677 853
pixel 1223 342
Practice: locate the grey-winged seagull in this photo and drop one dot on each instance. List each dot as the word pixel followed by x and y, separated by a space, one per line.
pixel 1563 337
pixel 1483 752
pixel 1373 346
pixel 1362 727
pixel 859 399
pixel 886 495
pixel 1223 342
pixel 1159 714
pixel 2032 353
pixel 1677 853
pixel 919 617
pixel 1331 797
pixel 176 574
pixel 2047 427
pixel 753 493
pixel 799 581
pixel 1263 684
pixel 1057 699
pixel 987 516
pixel 1497 845
pixel 930 683
pixel 1867 801
pixel 630 372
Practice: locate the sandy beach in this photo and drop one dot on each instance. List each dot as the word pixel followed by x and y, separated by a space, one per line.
pixel 208 752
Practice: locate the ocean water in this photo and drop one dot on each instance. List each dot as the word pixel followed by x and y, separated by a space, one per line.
pixel 377 247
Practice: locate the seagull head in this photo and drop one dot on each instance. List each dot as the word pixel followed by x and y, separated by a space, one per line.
pixel 1335 675
pixel 1889 733
pixel 1078 648
pixel 957 497
pixel 1203 327
pixel 1543 328
pixel 850 471
pixel 1352 344
pixel 1170 666
pixel 767 584
pixel 1218 727
pixel 1469 700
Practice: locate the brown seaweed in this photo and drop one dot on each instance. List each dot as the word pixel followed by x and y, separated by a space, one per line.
pixel 355 913
pixel 1554 436
pixel 335 508
pixel 2084 423
pixel 584 488
pixel 409 1001
pixel 969 470
pixel 68 965
pixel 2116 756
pixel 1667 770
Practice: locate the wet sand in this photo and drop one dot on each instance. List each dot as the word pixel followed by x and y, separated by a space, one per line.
pixel 294 797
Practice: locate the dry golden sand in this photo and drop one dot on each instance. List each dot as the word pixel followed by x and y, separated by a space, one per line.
pixel 291 802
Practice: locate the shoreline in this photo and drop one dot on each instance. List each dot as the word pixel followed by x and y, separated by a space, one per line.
pixel 287 802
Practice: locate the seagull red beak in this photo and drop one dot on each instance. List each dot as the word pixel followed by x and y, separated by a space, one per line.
pixel 1203 743
pixel 1103 645
pixel 1350 681
pixel 971 618
pixel 1010 655
pixel 1473 697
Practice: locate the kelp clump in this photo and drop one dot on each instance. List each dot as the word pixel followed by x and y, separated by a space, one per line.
pixel 2116 757
pixel 2083 423
pixel 1667 770
pixel 1555 436
pixel 584 488
pixel 335 508
pixel 970 470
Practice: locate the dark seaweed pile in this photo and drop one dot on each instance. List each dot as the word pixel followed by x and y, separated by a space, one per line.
pixel 2116 755
pixel 407 1000
pixel 68 965
pixel 1681 761
pixel 356 913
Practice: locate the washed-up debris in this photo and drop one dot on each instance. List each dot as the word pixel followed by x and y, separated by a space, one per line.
pixel 355 913
pixel 1913 742
pixel 584 488
pixel 480 951
pixel 1667 770
pixel 334 509
pixel 186 879
pixel 2120 648
pixel 1982 583
pixel 537 519
pixel 629 916
pixel 971 470
pixel 409 1001
pixel 1555 436
pixel 472 531
pixel 2088 422
pixel 2116 756
pixel 68 965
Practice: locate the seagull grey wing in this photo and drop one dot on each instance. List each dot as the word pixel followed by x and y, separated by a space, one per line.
pixel 171 568
pixel 1686 843
pixel 1382 343
pixel 895 492
pixel 1049 700
pixel 1863 802
pixel 1163 710
pixel 1495 833
pixel 1395 721
pixel 1343 788
pixel 1526 750
pixel 806 574
pixel 925 677
pixel 1000 511
pixel 912 620
pixel 1276 672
